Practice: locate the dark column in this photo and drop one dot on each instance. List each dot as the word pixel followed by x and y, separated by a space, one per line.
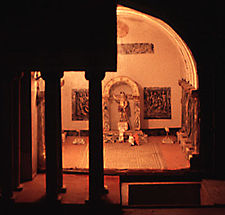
pixel 53 138
pixel 96 168
pixel 6 151
pixel 16 132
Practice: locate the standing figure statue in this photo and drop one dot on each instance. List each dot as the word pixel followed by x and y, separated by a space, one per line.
pixel 123 107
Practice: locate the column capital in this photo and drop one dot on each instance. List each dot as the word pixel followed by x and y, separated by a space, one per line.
pixel 11 73
pixel 48 74
pixel 94 75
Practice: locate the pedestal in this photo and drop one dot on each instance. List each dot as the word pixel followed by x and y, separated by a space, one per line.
pixel 167 140
pixel 123 125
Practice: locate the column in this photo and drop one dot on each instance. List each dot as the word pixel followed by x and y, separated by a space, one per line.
pixel 53 138
pixel 96 166
pixel 6 156
pixel 16 138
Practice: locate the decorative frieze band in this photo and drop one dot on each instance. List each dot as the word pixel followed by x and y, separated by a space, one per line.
pixel 136 48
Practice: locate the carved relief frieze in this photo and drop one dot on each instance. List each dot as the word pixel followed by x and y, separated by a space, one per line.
pixel 135 48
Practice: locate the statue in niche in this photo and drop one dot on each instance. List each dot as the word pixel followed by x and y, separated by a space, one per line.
pixel 123 107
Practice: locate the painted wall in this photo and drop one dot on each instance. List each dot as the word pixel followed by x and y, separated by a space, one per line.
pixel 72 80
pixel 163 68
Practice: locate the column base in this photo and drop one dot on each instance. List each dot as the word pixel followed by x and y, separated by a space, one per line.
pixel 62 189
pixel 53 199
pixel 105 190
pixel 19 188
pixel 99 199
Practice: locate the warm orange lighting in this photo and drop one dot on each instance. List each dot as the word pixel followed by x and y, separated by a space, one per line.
pixel 190 70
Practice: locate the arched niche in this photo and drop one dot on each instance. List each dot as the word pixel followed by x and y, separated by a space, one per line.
pixel 134 97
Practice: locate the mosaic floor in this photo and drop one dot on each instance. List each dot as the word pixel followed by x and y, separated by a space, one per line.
pixel 150 155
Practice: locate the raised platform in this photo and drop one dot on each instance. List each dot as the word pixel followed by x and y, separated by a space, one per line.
pixel 121 157
pixel 161 194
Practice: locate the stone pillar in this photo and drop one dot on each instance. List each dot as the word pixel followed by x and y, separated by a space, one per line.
pixel 16 131
pixel 53 138
pixel 7 136
pixel 196 120
pixel 96 165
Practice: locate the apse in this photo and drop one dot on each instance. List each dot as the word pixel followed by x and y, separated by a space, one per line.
pixel 157 74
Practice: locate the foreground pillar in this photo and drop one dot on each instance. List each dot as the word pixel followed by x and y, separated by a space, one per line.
pixel 16 125
pixel 53 138
pixel 96 166
pixel 6 140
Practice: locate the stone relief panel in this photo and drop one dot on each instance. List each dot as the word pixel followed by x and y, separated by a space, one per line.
pixel 189 134
pixel 157 103
pixel 80 104
pixel 135 48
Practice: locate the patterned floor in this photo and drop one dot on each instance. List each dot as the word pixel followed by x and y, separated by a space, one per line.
pixel 116 155
pixel 124 156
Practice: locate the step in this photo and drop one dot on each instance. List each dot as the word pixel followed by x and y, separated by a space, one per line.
pixel 161 194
